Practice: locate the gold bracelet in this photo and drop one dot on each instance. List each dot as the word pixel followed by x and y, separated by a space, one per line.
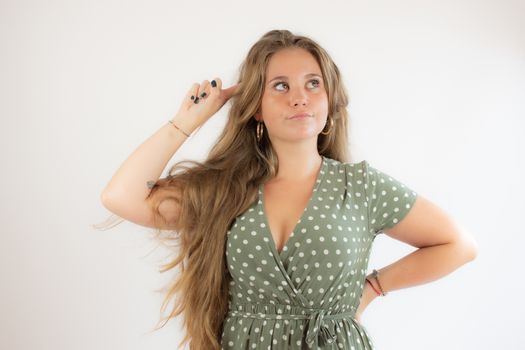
pixel 375 275
pixel 172 123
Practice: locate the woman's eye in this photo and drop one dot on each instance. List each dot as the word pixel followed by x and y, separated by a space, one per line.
pixel 316 81
pixel 279 83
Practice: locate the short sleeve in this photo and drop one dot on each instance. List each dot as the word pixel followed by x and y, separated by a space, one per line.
pixel 388 200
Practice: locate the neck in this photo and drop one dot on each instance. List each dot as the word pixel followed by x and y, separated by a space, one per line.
pixel 294 166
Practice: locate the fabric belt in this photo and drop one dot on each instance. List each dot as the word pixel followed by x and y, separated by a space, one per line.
pixel 317 329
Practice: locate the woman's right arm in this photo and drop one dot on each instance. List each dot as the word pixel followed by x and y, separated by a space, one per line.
pixel 125 194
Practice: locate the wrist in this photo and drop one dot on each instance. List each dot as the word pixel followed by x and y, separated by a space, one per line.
pixel 374 279
pixel 371 283
pixel 184 123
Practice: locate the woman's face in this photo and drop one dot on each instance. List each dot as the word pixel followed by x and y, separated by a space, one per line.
pixel 294 84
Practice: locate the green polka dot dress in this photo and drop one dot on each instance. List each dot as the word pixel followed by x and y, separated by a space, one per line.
pixel 306 296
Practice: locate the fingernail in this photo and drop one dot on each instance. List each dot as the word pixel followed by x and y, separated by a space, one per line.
pixel 196 100
pixel 192 97
pixel 213 83
pixel 203 94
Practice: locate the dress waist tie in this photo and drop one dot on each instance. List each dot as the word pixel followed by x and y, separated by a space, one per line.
pixel 317 329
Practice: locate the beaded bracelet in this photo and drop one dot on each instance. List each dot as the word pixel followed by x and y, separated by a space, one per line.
pixel 374 288
pixel 375 275
pixel 172 123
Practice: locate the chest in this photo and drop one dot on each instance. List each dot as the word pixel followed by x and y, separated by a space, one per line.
pixel 284 205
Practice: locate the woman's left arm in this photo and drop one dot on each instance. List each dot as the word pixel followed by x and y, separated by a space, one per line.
pixel 443 247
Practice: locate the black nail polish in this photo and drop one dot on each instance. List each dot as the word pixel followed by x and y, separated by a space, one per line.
pixel 203 94
pixel 213 83
pixel 196 100
pixel 192 97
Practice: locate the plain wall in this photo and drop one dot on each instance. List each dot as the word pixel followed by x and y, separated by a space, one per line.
pixel 437 93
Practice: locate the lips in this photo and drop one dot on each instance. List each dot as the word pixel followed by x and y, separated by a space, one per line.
pixel 300 115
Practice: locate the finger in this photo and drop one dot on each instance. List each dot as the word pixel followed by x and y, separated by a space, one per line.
pixel 195 91
pixel 216 91
pixel 192 92
pixel 199 92
pixel 229 92
pixel 204 90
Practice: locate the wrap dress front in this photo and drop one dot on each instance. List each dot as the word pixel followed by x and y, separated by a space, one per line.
pixel 306 296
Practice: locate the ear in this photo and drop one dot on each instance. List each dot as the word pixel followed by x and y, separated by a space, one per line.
pixel 257 116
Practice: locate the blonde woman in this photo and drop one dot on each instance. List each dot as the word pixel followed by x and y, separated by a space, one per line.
pixel 274 229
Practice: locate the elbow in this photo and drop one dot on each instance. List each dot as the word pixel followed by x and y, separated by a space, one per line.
pixel 105 199
pixel 473 251
pixel 468 248
pixel 466 245
pixel 472 247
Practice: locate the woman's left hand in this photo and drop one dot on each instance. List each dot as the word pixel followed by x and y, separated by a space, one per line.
pixel 368 296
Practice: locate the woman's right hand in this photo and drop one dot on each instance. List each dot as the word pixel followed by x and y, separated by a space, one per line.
pixel 195 112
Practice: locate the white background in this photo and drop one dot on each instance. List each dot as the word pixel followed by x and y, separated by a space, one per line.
pixel 437 93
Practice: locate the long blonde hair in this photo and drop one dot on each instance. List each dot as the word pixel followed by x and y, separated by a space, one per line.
pixel 213 193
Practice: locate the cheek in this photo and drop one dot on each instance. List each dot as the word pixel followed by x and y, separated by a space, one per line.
pixel 322 102
pixel 268 101
pixel 272 107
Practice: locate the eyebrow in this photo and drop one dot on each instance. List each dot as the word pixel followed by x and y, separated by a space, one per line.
pixel 285 77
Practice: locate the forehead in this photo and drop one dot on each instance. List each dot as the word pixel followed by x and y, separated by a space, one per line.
pixel 292 61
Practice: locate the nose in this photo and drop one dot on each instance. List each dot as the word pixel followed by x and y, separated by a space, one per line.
pixel 298 98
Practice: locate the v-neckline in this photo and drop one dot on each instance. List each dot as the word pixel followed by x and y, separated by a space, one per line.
pixel 267 229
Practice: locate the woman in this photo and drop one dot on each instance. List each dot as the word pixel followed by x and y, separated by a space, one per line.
pixel 275 227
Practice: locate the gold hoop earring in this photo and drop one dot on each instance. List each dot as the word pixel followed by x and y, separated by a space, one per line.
pixel 330 128
pixel 260 130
